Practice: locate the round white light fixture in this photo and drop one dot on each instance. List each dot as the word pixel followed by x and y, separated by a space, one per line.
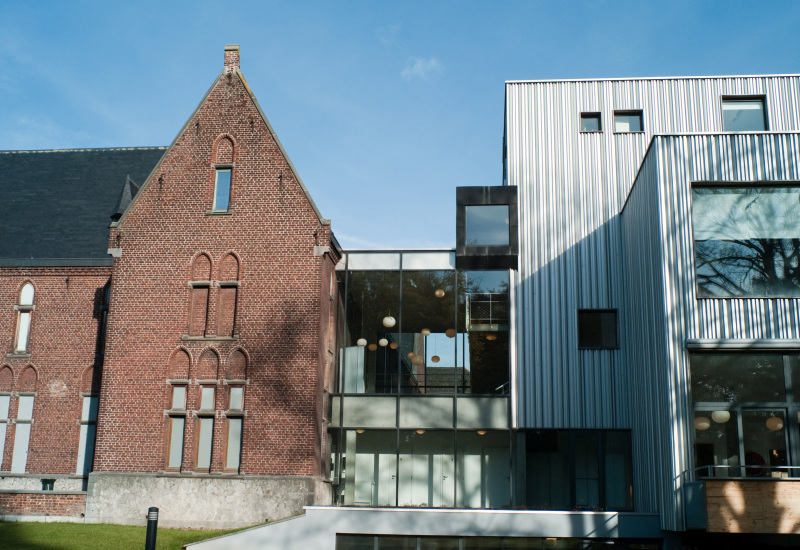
pixel 373 347
pixel 439 293
pixel 361 342
pixel 720 417
pixel 383 342
pixel 425 331
pixel 417 360
pixel 450 333
pixel 702 423
pixel 774 423
pixel 389 321
pixel 435 359
pixel 393 345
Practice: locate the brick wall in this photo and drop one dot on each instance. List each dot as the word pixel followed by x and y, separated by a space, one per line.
pixel 42 504
pixel 271 229
pixel 64 337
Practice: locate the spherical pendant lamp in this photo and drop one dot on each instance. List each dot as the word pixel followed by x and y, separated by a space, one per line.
pixel 702 423
pixel 389 321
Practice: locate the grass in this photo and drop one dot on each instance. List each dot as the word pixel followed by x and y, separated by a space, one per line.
pixel 87 536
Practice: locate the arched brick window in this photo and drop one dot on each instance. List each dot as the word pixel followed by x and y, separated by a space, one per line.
pixel 179 365
pixel 25 310
pixel 6 384
pixel 225 151
pixel 207 372
pixel 178 376
pixel 235 376
pixel 228 294
pixel 223 177
pixel 26 392
pixel 200 285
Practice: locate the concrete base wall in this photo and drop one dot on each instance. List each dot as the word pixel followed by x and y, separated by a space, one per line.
pixel 33 482
pixel 213 502
pixel 317 529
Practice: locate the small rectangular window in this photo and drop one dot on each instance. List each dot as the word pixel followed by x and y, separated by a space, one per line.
pixel 597 329
pixel 222 190
pixel 207 399
pixel 590 122
pixel 743 114
pixel 628 121
pixel 178 397
pixel 235 402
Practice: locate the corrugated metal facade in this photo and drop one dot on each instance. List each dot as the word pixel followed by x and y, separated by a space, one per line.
pixel 574 248
pixel 661 304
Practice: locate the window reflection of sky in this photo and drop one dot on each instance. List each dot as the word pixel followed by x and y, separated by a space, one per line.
pixel 487 225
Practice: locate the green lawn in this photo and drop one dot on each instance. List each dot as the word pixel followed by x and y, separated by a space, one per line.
pixel 81 536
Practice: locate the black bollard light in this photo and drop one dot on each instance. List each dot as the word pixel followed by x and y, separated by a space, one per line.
pixel 152 528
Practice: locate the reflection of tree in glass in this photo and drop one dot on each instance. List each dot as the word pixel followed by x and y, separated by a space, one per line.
pixel 747 241
pixel 737 378
pixel 754 267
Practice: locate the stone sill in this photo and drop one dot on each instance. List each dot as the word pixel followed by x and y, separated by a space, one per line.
pixel 39 492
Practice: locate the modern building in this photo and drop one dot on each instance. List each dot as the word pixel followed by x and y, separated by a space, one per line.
pixel 606 358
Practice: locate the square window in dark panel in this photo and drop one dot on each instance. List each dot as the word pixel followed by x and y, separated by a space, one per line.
pixel 590 122
pixel 597 329
pixel 487 225
pixel 628 122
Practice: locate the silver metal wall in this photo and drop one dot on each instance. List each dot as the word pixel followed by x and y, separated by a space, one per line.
pixel 572 188
pixel 661 304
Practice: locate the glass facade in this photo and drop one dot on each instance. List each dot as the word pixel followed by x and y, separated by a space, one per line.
pixel 421 417
pixel 745 413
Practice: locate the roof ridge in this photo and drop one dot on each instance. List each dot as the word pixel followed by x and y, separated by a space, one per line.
pixel 84 149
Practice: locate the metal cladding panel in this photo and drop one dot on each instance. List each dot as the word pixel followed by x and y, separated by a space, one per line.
pixel 661 306
pixel 572 187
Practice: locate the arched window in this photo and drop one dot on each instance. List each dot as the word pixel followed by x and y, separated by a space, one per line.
pixel 178 379
pixel 235 376
pixel 228 293
pixel 207 372
pixel 25 309
pixel 223 175
pixel 200 284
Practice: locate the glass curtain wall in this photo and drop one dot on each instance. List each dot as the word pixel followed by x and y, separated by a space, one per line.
pixel 422 331
pixel 746 413
pixel 420 417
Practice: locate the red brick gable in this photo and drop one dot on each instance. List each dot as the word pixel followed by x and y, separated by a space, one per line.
pixel 270 313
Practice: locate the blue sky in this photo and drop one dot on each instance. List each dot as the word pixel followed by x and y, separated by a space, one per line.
pixel 384 107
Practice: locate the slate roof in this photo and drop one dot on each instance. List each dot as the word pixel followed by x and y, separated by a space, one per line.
pixel 57 205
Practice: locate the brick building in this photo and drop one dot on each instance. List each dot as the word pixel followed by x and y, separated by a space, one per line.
pixel 182 356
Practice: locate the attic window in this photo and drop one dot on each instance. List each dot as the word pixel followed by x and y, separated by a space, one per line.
pixel 222 190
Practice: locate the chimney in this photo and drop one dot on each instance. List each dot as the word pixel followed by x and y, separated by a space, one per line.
pixel 231 58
